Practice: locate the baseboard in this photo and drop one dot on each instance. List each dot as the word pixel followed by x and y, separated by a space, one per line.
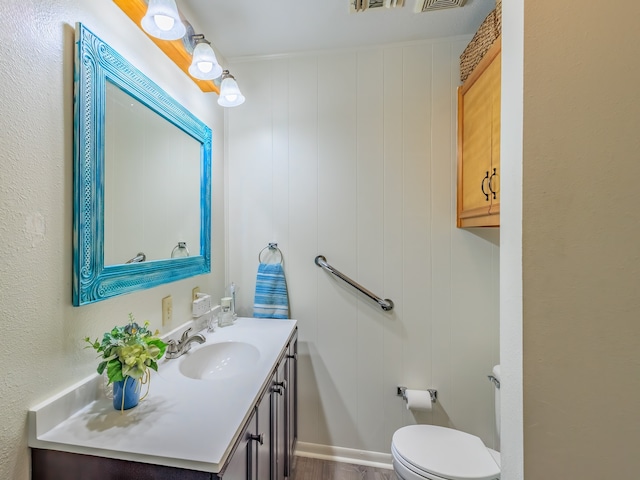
pixel 346 455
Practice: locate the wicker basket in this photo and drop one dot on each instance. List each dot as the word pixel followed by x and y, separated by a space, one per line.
pixel 489 30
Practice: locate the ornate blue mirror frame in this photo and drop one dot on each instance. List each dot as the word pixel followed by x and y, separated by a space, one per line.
pixel 95 64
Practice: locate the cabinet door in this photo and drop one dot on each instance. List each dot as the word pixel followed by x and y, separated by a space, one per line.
pixel 476 145
pixel 242 464
pixel 292 404
pixel 264 457
pixel 280 404
pixel 494 73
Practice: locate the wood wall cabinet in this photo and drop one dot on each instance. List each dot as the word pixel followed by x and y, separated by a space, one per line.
pixel 479 143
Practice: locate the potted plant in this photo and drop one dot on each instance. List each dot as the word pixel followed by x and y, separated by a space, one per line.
pixel 127 353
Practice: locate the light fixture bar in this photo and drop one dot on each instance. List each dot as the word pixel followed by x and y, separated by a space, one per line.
pixel 174 49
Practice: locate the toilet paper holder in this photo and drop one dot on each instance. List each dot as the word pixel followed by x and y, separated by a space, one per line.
pixel 402 392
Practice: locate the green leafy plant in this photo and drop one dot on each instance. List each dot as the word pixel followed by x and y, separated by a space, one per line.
pixel 128 351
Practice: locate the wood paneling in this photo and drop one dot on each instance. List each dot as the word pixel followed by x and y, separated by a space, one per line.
pixel 352 155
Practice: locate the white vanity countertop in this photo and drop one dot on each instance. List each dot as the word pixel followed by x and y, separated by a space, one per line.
pixel 182 423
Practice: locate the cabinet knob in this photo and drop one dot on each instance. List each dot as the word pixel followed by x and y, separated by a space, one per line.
pixel 486 178
pixel 257 437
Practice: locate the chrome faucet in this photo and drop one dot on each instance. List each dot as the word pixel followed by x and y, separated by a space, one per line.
pixel 176 349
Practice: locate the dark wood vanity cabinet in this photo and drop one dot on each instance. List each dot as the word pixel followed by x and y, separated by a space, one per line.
pixel 57 465
pixel 266 446
pixel 263 451
pixel 283 416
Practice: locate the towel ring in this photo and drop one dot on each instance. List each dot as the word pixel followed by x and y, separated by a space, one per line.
pixel 180 250
pixel 271 247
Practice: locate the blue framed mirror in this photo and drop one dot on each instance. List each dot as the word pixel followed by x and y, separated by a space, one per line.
pixel 142 179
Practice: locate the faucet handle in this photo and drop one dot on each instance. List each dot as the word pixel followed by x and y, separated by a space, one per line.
pixel 172 348
pixel 185 335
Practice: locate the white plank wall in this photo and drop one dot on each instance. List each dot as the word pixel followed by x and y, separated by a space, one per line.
pixel 352 155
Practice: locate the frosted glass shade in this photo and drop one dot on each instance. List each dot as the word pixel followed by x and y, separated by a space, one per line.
pixel 162 20
pixel 230 95
pixel 204 65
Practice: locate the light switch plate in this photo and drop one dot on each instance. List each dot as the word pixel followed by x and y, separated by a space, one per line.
pixel 167 310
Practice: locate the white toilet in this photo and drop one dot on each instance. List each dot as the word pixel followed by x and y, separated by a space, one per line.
pixel 438 453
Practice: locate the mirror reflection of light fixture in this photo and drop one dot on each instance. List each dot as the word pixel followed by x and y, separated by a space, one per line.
pixel 162 20
pixel 204 65
pixel 230 95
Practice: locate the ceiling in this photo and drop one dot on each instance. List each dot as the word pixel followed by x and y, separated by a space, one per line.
pixel 240 28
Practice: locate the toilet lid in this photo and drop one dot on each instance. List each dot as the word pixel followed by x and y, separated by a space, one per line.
pixel 445 452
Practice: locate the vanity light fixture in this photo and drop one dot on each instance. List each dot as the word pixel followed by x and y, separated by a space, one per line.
pixel 162 20
pixel 230 95
pixel 204 64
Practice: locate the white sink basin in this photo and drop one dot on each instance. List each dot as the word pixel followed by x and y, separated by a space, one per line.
pixel 220 361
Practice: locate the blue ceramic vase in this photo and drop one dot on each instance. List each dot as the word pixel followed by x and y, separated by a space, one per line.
pixel 128 388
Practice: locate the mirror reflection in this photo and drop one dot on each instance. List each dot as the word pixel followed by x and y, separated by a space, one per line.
pixel 152 179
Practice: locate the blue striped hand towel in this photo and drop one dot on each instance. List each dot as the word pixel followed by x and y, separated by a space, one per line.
pixel 271 300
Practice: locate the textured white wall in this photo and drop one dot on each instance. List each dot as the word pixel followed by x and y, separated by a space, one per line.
pixel 42 348
pixel 352 155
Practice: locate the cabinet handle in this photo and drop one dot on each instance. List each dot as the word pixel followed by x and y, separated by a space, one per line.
pixel 486 195
pixel 295 355
pixel 279 387
pixel 257 437
pixel 490 181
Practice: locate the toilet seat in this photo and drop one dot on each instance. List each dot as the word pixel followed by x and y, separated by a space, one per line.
pixel 432 452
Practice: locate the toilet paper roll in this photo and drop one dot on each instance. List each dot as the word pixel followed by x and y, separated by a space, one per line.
pixel 418 400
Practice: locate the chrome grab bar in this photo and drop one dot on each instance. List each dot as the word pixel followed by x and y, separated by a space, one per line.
pixel 386 304
pixel 140 257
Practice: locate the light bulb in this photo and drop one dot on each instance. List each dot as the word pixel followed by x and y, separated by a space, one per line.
pixel 205 66
pixel 164 22
pixel 230 95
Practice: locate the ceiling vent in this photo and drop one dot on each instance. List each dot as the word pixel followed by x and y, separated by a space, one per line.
pixel 428 5
pixel 356 6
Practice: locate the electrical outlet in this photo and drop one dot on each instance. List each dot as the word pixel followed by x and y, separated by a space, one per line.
pixel 201 305
pixel 167 310
pixel 194 293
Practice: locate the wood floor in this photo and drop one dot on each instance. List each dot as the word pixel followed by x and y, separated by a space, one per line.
pixel 313 469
